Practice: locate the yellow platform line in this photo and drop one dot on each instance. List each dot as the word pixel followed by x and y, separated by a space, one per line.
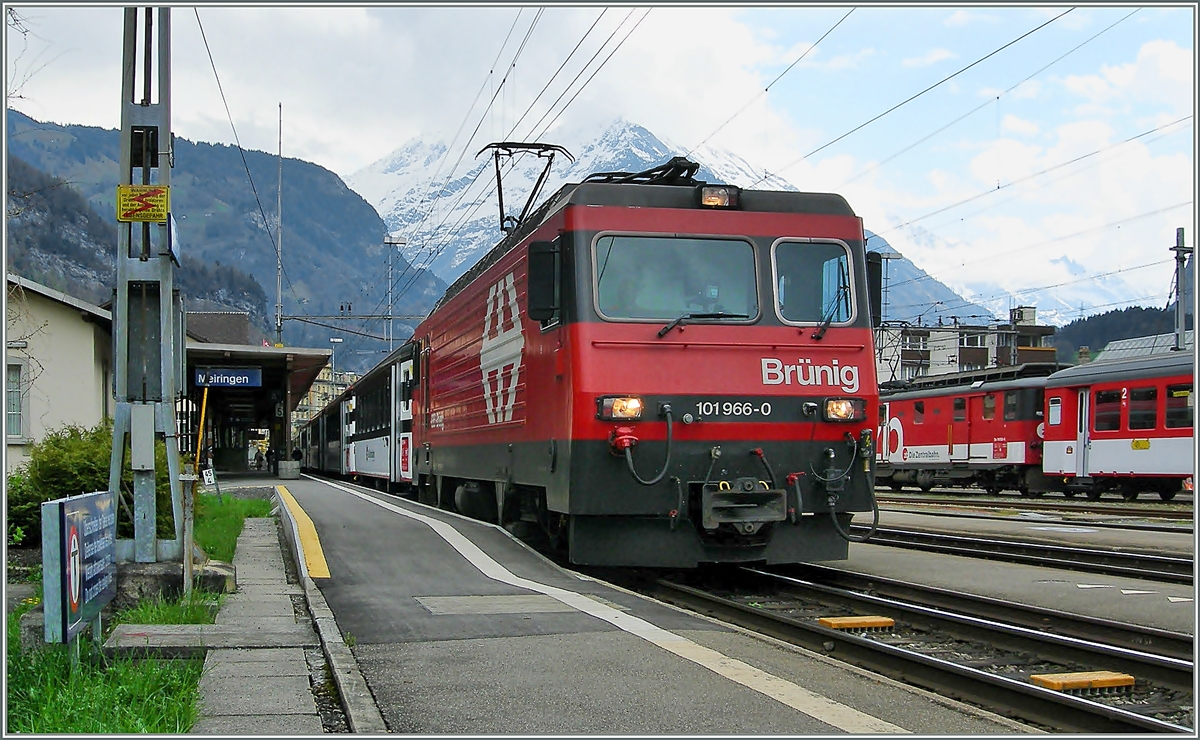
pixel 314 556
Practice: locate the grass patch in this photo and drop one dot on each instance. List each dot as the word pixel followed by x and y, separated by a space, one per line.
pixel 218 524
pixel 198 607
pixel 47 694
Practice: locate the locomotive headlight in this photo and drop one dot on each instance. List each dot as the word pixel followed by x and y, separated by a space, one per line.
pixel 718 196
pixel 619 407
pixel 844 409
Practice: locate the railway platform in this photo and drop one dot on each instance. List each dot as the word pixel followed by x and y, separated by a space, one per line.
pixel 458 627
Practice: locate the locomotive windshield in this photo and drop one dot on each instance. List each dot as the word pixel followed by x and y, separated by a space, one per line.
pixel 812 282
pixel 656 277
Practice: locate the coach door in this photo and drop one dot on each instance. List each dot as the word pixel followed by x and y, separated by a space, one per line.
pixel 958 430
pixel 1079 451
pixel 981 414
pixel 883 452
pixel 402 464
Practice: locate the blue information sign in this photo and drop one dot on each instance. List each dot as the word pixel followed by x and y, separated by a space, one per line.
pixel 85 578
pixel 229 377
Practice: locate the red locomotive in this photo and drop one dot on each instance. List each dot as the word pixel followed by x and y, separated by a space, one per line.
pixel 655 371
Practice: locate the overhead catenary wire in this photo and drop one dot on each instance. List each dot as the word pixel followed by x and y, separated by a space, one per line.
pixel 467 145
pixel 1031 176
pixel 986 103
pixel 908 100
pixel 434 252
pixel 242 152
pixel 770 85
pixel 1065 237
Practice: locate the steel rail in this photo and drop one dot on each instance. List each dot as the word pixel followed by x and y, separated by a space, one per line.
pixel 1174 672
pixel 1004 695
pixel 1073 507
pixel 1143 566
pixel 1133 636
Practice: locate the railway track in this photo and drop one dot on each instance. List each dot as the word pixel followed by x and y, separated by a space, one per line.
pixel 1064 506
pixel 957 654
pixel 1144 566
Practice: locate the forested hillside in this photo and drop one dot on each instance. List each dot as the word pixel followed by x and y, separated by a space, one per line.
pixel 332 243
pixel 56 238
pixel 1096 331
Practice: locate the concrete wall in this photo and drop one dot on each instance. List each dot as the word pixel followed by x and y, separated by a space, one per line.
pixel 66 368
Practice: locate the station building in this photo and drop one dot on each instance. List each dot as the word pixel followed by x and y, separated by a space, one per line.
pixel 58 362
pixel 909 351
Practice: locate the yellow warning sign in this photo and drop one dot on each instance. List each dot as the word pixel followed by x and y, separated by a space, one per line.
pixel 143 203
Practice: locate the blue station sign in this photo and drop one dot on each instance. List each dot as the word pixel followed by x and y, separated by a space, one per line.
pixel 229 377
pixel 84 578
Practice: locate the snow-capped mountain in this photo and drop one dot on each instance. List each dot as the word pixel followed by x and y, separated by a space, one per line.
pixel 913 295
pixel 450 222
pixel 1058 301
pixel 1062 304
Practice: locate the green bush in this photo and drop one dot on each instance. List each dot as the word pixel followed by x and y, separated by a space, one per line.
pixel 73 460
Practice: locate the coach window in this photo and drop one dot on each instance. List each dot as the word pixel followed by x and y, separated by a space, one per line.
pixel 812 282
pixel 960 409
pixel 1108 411
pixel 1010 405
pixel 989 406
pixel 1179 406
pixel 919 412
pixel 1055 411
pixel 663 278
pixel 1143 408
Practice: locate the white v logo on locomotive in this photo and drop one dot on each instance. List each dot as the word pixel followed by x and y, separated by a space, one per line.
pixel 501 355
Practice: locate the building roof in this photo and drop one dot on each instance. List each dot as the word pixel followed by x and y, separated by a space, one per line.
pixel 60 297
pixel 220 327
pixel 1140 346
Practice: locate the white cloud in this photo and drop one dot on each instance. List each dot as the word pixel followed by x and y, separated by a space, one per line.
pixel 1162 74
pixel 1019 125
pixel 355 83
pixel 960 18
pixel 933 57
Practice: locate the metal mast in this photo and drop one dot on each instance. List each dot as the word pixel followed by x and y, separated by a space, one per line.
pixel 279 243
pixel 148 317
pixel 1181 253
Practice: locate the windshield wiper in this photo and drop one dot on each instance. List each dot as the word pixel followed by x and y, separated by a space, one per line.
pixel 833 307
pixel 689 316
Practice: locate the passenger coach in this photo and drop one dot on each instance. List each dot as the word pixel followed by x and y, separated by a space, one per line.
pixel 1123 425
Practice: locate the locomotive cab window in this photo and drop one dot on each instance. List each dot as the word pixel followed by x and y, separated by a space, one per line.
pixel 960 409
pixel 665 278
pixel 1143 408
pixel 1179 406
pixel 989 406
pixel 919 412
pixel 813 282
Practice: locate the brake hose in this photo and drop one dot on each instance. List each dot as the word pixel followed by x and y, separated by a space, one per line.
pixel 846 535
pixel 833 498
pixel 666 409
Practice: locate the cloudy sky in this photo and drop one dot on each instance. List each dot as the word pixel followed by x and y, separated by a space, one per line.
pixel 1021 146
